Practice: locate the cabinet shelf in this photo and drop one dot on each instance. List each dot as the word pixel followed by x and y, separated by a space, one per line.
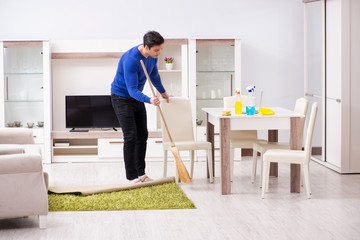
pixel 214 71
pixel 86 55
pixel 24 73
pixel 207 99
pixel 24 101
pixel 76 147
pixel 169 71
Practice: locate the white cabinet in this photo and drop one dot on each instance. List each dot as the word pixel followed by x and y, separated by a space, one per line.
pixel 212 64
pixel 154 150
pixel 110 148
pixel 214 73
pixel 331 78
pixel 342 85
pixel 98 146
pixel 25 89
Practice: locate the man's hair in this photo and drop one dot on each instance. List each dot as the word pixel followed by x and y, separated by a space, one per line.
pixel 152 38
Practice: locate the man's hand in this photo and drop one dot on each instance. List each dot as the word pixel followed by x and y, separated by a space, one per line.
pixel 165 96
pixel 155 101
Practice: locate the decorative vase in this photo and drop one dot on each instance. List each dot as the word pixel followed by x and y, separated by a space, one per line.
pixel 168 66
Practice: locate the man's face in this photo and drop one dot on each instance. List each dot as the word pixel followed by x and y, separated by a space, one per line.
pixel 155 51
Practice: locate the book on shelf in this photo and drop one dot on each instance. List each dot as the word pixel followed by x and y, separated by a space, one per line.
pixel 62 144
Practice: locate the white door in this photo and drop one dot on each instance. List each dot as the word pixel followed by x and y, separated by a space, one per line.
pixel 333 82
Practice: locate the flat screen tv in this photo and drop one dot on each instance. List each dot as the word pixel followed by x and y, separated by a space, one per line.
pixel 90 111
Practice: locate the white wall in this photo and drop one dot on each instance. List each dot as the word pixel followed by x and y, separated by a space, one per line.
pixel 271 31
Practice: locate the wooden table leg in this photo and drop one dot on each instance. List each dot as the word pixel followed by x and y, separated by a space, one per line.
pixel 210 138
pixel 225 155
pixel 295 144
pixel 273 137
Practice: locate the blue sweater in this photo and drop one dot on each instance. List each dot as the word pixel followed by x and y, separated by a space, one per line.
pixel 130 78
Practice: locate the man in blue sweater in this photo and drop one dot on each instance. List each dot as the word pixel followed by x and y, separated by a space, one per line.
pixel 128 101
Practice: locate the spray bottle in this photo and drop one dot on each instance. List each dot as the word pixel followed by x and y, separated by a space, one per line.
pixel 238 103
pixel 250 106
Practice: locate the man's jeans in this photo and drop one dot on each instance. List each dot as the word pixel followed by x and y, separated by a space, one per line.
pixel 132 118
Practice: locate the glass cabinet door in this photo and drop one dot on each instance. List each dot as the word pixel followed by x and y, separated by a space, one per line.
pixel 215 74
pixel 314 71
pixel 23 85
pixel 25 95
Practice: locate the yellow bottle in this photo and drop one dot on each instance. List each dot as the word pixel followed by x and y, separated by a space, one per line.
pixel 238 103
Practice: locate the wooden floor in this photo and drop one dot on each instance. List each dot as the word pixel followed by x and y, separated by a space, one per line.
pixel 332 213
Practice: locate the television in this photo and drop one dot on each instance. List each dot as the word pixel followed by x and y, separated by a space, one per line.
pixel 90 111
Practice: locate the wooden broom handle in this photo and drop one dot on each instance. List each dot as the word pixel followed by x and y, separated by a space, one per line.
pixel 161 114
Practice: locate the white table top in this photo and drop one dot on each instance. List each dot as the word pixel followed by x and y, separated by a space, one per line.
pixel 280 120
pixel 279 112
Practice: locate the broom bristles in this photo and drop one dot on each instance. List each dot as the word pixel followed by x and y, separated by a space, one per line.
pixel 182 171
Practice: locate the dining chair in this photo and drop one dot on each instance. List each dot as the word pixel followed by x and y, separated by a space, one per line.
pixel 240 138
pixel 301 106
pixel 292 156
pixel 178 117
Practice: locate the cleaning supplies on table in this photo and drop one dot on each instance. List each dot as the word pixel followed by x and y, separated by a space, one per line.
pixel 226 113
pixel 238 102
pixel 250 105
pixel 266 111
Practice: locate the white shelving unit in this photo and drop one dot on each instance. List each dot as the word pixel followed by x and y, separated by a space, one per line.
pixel 175 81
pixel 25 89
pixel 97 146
pixel 214 73
pixel 70 58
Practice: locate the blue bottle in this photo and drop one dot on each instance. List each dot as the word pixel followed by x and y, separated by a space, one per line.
pixel 250 105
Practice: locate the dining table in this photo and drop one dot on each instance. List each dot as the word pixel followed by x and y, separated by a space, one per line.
pixel 281 119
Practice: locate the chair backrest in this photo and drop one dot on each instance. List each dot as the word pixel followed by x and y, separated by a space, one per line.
pixel 310 131
pixel 178 117
pixel 229 102
pixel 301 106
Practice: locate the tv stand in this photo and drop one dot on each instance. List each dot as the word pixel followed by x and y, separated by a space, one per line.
pixel 97 146
pixel 78 130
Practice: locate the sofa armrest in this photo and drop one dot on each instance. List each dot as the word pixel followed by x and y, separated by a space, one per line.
pixel 20 163
pixel 11 149
pixel 46 178
pixel 23 190
pixel 16 136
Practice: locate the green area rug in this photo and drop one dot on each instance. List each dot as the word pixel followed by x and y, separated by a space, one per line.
pixel 163 196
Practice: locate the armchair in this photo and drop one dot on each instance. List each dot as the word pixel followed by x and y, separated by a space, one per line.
pixel 23 184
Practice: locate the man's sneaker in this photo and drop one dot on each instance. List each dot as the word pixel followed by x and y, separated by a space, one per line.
pixel 145 178
pixel 134 181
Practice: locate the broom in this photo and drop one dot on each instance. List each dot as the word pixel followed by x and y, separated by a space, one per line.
pixel 182 171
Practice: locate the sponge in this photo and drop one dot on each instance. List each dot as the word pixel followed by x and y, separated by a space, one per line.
pixel 226 113
pixel 266 111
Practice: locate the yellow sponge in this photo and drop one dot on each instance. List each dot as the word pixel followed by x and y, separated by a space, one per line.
pixel 226 113
pixel 266 111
